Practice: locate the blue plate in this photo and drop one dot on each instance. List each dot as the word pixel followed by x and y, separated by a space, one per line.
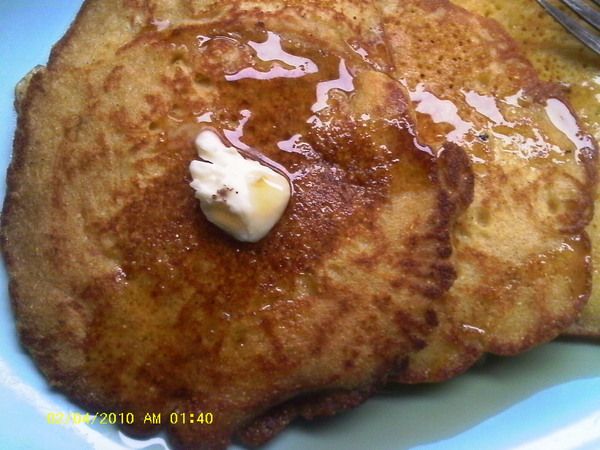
pixel 546 399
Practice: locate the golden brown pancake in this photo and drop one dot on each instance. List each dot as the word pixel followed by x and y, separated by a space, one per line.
pixel 522 255
pixel 426 39
pixel 558 57
pixel 130 300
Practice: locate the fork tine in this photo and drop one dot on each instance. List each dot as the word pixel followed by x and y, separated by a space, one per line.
pixel 589 14
pixel 573 26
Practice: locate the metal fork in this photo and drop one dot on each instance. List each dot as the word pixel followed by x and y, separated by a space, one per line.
pixel 589 35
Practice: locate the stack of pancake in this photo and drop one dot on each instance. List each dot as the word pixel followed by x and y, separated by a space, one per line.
pixel 441 192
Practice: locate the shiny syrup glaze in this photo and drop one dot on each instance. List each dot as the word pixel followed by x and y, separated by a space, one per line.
pixel 186 291
pixel 471 119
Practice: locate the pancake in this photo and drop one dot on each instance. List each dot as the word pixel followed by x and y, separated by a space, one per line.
pixel 501 285
pixel 129 300
pixel 559 57
pixel 522 255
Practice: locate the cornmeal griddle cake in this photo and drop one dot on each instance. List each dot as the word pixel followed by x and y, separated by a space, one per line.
pixel 561 58
pixel 522 255
pixel 521 252
pixel 440 194
pixel 130 300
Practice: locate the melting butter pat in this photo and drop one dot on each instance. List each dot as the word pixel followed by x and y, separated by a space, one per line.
pixel 239 195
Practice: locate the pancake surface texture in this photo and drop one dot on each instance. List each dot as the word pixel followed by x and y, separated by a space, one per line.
pixel 522 255
pixel 130 300
pixel 558 57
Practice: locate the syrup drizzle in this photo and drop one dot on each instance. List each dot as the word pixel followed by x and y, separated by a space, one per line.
pixel 528 138
pixel 344 82
pixel 562 118
pixel 272 51
pixel 485 105
pixel 272 62
pixel 235 138
pixel 295 144
pixel 441 111
pixel 513 100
